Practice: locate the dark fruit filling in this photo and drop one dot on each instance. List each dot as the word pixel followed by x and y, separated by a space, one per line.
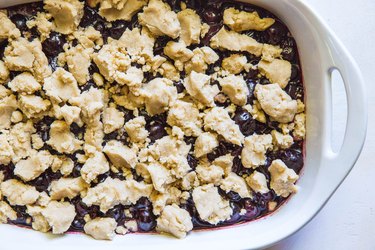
pixel 211 12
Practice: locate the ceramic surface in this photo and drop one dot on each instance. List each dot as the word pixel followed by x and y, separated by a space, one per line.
pixel 324 170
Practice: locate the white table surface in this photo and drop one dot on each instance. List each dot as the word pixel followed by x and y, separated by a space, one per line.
pixel 348 220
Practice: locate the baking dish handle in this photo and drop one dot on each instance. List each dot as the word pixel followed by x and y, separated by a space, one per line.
pixel 356 124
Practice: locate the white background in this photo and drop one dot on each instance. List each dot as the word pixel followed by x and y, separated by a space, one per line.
pixel 348 220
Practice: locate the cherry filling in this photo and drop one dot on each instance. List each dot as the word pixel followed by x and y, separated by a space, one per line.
pixel 211 12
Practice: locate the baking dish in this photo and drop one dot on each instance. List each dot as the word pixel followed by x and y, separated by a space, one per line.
pixel 324 170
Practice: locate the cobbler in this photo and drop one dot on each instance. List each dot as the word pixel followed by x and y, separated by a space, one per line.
pixel 121 116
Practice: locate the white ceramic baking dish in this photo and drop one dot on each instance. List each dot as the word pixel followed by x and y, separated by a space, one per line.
pixel 324 170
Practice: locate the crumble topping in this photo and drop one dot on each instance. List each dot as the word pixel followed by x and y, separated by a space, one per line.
pixel 88 37
pixel 278 71
pixel 113 10
pixel 6 150
pixel 8 105
pixel 159 94
pixel 225 162
pixel 63 164
pixel 160 200
pixel 33 166
pixel 133 78
pixel 160 176
pixel 6 212
pixel 198 86
pixel 36 141
pixel 16 117
pixel 71 114
pixel 112 192
pixel 276 102
pixel 270 52
pixel 61 86
pixel 2 178
pixel 18 193
pixel 131 226
pixel 234 63
pixel 121 230
pixel 299 126
pixel 61 139
pixel 112 120
pixel 218 120
pixel 205 143
pixel 178 52
pixel 282 178
pixel 237 184
pixel 136 129
pixel 91 103
pixel 7 28
pixel 280 140
pixel 209 174
pixel 39 221
pixel 235 87
pixel 120 155
pixel 33 106
pixel 138 42
pixel 242 20
pixel 94 136
pixel 136 115
pixel 4 92
pixel 210 205
pixel 22 55
pixel 205 28
pixel 19 138
pixel 101 228
pixel 168 150
pixel 98 79
pixel 202 57
pixel 257 112
pixel 300 106
pixel 78 60
pixel 4 72
pixel 175 221
pixel 255 149
pixel 42 23
pixel 94 166
pixel 189 181
pixel 112 61
pixel 190 26
pixel 169 71
pixel 186 116
pixel 257 182
pixel 24 83
pixel 158 17
pixel 59 216
pixel 234 41
pixel 66 14
pixel 67 188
